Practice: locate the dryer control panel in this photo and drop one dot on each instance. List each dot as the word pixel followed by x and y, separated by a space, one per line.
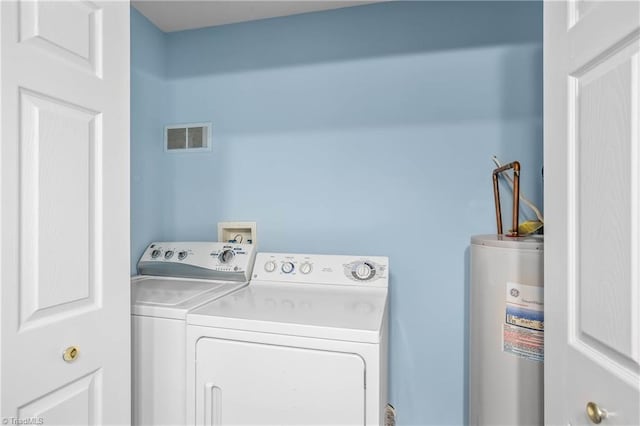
pixel 371 271
pixel 207 260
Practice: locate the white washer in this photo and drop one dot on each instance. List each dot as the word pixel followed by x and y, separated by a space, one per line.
pixel 304 343
pixel 176 277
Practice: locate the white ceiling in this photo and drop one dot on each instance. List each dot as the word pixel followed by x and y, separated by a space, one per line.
pixel 187 14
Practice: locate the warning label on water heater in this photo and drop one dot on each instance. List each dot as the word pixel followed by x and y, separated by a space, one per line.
pixel 523 329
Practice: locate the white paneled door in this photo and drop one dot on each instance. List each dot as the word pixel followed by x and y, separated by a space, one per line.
pixel 592 199
pixel 64 217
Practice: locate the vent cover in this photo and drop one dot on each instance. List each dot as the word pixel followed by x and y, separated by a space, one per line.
pixel 187 137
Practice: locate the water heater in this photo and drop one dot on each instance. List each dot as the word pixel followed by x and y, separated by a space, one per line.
pixel 506 341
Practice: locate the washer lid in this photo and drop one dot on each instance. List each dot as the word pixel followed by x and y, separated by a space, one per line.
pixel 173 297
pixel 320 311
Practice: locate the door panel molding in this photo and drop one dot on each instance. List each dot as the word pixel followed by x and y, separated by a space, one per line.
pixel 81 396
pixel 60 165
pixel 78 40
pixel 610 217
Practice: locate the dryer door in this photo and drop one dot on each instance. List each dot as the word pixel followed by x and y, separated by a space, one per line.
pixel 258 384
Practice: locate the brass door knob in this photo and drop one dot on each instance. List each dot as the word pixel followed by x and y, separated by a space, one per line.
pixel 595 413
pixel 71 353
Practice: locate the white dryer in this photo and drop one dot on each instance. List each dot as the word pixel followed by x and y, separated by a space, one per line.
pixel 175 278
pixel 304 343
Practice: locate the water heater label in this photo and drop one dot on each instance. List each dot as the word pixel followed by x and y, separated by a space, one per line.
pixel 523 328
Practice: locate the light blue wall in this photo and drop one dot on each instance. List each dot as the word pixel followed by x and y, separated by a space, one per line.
pixel 366 130
pixel 150 111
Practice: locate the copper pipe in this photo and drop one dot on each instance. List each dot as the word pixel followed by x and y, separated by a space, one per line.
pixel 515 165
pixel 496 198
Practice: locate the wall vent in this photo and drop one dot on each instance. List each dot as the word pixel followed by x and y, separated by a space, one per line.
pixel 189 137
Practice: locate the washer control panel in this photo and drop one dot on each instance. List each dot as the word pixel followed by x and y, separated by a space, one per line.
pixel 208 260
pixel 322 269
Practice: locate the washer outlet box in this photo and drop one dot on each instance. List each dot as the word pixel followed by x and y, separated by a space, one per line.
pixel 237 232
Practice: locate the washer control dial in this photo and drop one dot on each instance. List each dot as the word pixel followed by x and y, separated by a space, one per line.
pixel 226 256
pixel 306 268
pixel 287 267
pixel 155 254
pixel 182 255
pixel 363 271
pixel 168 254
pixel 270 266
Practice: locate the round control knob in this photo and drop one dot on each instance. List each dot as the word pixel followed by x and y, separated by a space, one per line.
pixel 306 268
pixel 270 266
pixel 287 267
pixel 364 271
pixel 226 256
pixel 182 255
pixel 155 253
pixel 168 255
